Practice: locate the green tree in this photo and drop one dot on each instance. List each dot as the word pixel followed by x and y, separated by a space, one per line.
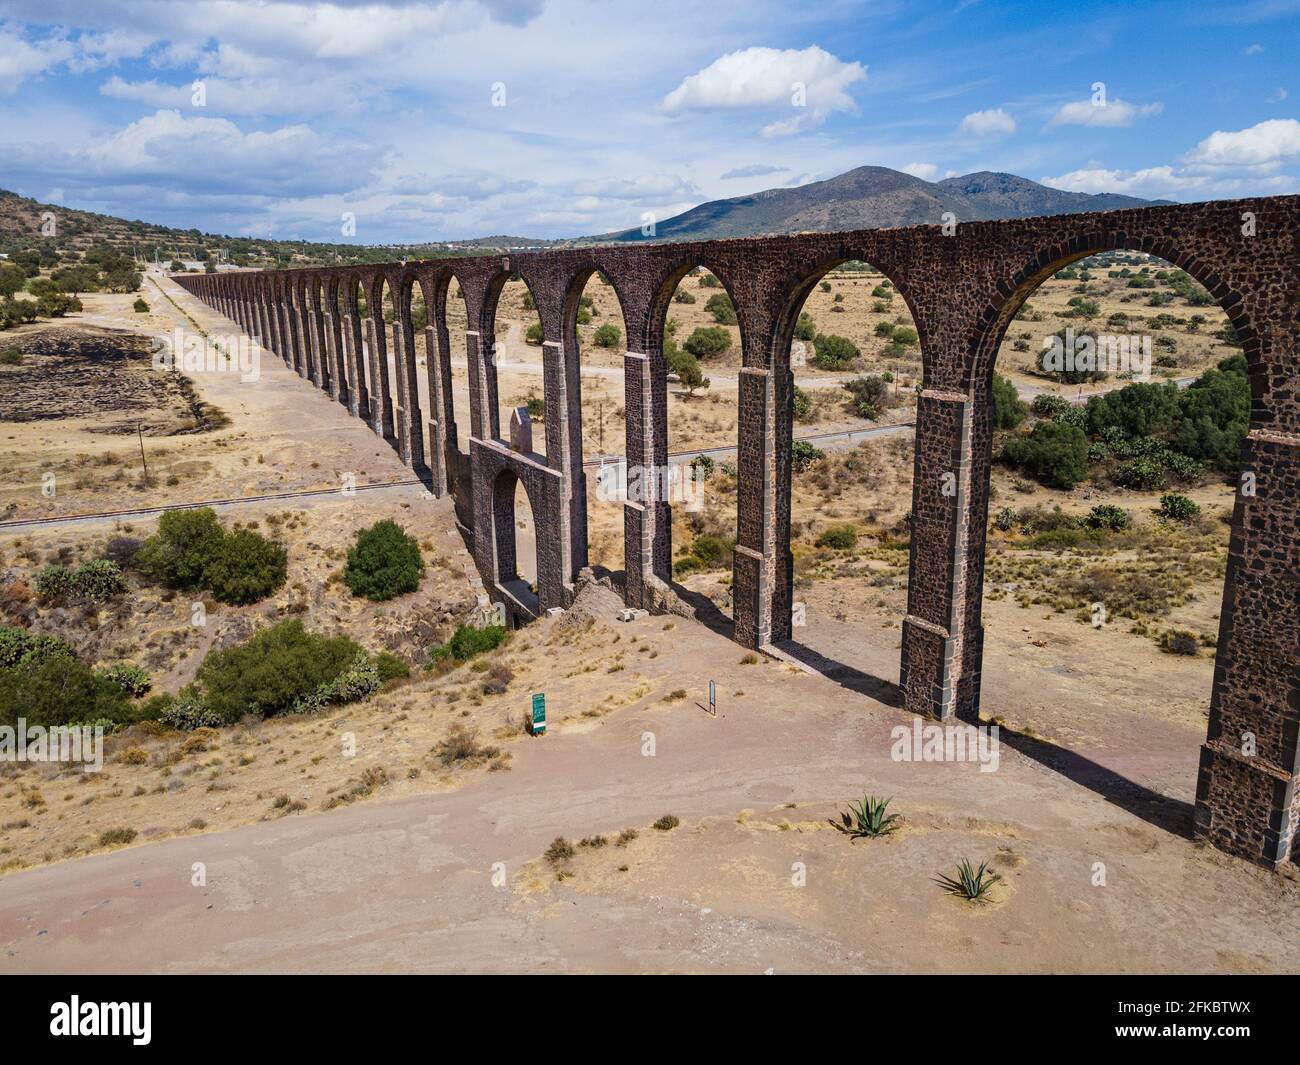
pixel 707 340
pixel 720 306
pixel 178 554
pixel 834 352
pixel 273 672
pixel 245 567
pixel 1009 409
pixel 384 563
pixel 607 336
pixel 1054 452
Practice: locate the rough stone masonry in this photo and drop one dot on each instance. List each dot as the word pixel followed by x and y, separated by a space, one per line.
pixel 963 285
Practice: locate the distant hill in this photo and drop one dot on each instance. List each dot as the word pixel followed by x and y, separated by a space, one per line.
pixel 874 197
pixel 77 231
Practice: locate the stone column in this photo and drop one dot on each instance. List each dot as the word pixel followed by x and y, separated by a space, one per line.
pixel 647 521
pixel 442 419
pixel 410 428
pixel 354 353
pixel 381 401
pixel 1247 800
pixel 942 636
pixel 289 333
pixel 481 423
pixel 332 339
pixel 755 562
pixel 562 389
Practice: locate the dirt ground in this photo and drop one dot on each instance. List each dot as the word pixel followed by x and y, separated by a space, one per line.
pixel 398 858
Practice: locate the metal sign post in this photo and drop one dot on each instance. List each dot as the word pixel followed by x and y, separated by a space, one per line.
pixel 713 698
pixel 537 720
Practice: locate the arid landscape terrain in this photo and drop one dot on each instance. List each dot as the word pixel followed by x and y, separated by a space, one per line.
pixel 641 832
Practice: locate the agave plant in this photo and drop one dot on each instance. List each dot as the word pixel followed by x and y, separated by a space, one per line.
pixel 868 818
pixel 970 883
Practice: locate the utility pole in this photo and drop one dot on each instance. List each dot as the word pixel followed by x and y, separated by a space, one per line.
pixel 139 432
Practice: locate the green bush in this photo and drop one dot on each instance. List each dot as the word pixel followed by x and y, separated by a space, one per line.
pixel 1177 507
pixel 607 336
pixel 707 340
pixel 533 334
pixel 140 307
pixel 468 641
pixel 720 306
pixel 834 352
pixel 838 537
pixel 179 552
pixel 713 550
pixel 1009 409
pixel 687 368
pixel 1050 405
pixel 1108 516
pixel 905 335
pixel 804 328
pixel 58 689
pixel 884 329
pixel 130 678
pixel 687 564
pixel 384 563
pixel 390 667
pixel 95 581
pixel 188 712
pixel 53 582
pixel 802 404
pixel 536 408
pixel 868 395
pixel 683 296
pixel 1054 453
pixel 804 455
pixel 245 567
pixel 1140 475
pixel 707 280
pixel 280 669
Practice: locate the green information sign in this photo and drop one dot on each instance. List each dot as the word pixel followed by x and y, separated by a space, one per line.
pixel 539 713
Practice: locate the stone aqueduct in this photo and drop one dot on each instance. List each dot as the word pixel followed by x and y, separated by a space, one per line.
pixel 962 289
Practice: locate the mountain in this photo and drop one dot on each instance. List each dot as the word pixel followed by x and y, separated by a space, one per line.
pixel 874 197
pixel 25 225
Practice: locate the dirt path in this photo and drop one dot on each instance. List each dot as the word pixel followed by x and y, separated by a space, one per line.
pixel 408 885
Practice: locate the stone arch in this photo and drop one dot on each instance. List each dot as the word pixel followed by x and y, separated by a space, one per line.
pixel 504 491
pixel 806 278
pixel 1019 284
pixel 667 284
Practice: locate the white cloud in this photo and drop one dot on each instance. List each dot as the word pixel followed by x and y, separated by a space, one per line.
pixel 240 96
pixel 1111 115
pixel 1172 183
pixel 753 170
pixel 1265 144
pixel 20 59
pixel 925 171
pixel 811 81
pixel 1278 95
pixel 992 123
pixel 203 156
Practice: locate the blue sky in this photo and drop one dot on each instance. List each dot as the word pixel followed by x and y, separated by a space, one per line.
pixel 437 121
